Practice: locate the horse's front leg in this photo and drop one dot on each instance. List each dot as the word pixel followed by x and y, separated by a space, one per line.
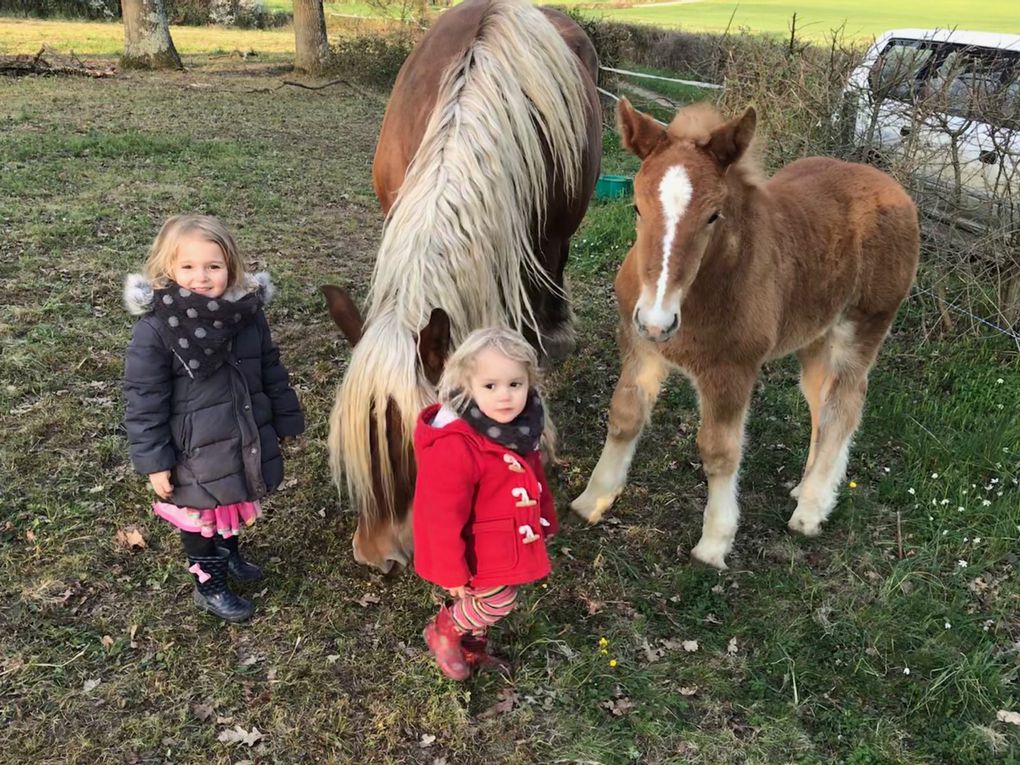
pixel 641 377
pixel 724 396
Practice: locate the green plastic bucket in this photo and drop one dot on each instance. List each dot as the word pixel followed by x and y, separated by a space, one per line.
pixel 613 187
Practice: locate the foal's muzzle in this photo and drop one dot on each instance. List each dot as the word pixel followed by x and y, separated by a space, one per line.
pixel 656 332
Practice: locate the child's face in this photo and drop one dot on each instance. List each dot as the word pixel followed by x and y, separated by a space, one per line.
pixel 499 385
pixel 201 267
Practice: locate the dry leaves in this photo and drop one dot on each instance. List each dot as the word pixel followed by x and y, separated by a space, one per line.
pixel 107 642
pixel 507 699
pixel 132 537
pixel 368 599
pixel 427 740
pixel 1013 718
pixel 691 646
pixel 238 735
pixel 619 707
pixel 731 647
pixel 688 690
pixel 203 712
pixel 91 685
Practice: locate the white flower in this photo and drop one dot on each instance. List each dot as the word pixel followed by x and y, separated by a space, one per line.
pixel 995 480
pixel 944 502
pixel 948 626
pixel 999 381
pixel 934 475
pixel 911 490
pixel 977 540
pixel 906 670
pixel 961 563
pixel 959 509
pixel 986 502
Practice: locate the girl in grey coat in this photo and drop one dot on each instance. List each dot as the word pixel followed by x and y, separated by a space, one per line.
pixel 207 399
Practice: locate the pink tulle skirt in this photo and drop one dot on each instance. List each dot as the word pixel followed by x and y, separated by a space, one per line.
pixel 225 520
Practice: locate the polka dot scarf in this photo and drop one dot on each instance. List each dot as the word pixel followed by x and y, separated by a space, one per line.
pixel 521 434
pixel 200 328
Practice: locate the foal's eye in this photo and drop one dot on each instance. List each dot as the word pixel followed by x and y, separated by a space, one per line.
pixel 714 217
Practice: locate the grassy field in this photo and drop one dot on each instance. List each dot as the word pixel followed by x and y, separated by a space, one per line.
pixel 842 650
pixel 817 18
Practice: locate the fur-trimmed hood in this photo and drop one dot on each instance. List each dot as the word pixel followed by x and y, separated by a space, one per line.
pixel 138 291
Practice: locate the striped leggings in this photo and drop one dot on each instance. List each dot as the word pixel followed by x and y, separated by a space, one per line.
pixel 481 609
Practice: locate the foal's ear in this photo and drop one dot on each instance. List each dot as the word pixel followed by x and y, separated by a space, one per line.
pixel 434 344
pixel 639 133
pixel 728 142
pixel 344 312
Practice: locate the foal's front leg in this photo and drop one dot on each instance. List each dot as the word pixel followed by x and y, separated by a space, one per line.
pixel 724 399
pixel 641 378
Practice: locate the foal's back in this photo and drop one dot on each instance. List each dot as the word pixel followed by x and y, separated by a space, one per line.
pixel 841 239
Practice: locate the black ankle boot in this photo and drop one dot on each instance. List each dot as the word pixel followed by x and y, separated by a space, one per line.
pixel 211 593
pixel 238 567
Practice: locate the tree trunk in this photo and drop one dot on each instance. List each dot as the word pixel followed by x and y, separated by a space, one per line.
pixel 147 42
pixel 310 45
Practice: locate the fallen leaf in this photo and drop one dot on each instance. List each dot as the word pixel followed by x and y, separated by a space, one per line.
pixel 368 599
pixel 1013 718
pixel 239 735
pixel 250 660
pixel 224 720
pixel 507 700
pixel 333 658
pixel 619 707
pixel 427 740
pixel 652 654
pixel 271 675
pixel 107 642
pixel 132 537
pixel 91 685
pixel 30 535
pixel 713 619
pixel 688 690
pixel 203 712
pixel 690 646
pixel 731 647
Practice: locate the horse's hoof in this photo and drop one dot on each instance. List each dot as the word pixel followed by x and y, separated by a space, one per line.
pixel 711 554
pixel 558 345
pixel 592 508
pixel 802 523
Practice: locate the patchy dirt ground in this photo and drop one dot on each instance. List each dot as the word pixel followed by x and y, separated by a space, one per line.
pixel 833 650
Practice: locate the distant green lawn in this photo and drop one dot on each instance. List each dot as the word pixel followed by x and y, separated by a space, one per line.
pixel 816 18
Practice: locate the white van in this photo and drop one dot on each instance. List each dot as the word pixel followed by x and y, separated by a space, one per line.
pixel 944 107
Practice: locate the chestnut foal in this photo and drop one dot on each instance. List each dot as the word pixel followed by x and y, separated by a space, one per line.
pixel 730 270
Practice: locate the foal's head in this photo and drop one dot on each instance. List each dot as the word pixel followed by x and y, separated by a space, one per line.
pixel 680 196
pixel 391 376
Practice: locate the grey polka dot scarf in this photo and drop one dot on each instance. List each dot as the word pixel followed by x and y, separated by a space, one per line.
pixel 200 328
pixel 522 434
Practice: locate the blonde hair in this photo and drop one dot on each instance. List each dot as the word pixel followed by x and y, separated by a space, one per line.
pixel 163 252
pixel 459 368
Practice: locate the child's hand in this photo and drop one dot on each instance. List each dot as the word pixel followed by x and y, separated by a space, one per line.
pixel 161 483
pixel 458 592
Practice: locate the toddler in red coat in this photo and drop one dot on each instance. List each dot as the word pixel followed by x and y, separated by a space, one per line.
pixel 482 507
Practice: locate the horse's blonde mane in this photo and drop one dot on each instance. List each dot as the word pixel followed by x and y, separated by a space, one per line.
pixel 459 235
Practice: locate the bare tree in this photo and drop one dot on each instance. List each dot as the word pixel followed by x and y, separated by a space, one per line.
pixel 311 47
pixel 147 42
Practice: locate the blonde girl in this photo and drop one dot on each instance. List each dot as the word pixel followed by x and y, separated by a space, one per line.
pixel 207 399
pixel 482 507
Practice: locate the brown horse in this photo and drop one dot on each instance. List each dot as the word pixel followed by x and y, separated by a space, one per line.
pixel 487 158
pixel 814 261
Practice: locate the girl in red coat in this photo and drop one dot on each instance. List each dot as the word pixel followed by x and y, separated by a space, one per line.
pixel 482 507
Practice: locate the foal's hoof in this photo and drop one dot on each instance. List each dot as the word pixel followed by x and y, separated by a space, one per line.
pixel 802 523
pixel 711 554
pixel 591 507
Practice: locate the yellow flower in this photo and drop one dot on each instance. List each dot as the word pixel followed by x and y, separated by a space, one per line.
pixel 603 651
pixel 612 662
pixel 853 484
pixel 603 642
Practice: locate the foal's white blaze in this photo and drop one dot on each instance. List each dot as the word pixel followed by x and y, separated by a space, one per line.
pixel 675 193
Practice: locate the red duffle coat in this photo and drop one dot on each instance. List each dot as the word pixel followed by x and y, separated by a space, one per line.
pixel 481 511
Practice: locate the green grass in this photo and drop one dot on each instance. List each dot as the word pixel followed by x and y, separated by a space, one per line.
pixel 104 660
pixel 815 20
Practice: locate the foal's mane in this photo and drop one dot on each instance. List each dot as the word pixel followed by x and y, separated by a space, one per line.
pixel 459 235
pixel 696 122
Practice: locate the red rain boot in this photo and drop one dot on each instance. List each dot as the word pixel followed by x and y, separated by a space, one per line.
pixel 476 653
pixel 443 640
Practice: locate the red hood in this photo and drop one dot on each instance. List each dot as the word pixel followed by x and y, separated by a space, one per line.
pixel 425 435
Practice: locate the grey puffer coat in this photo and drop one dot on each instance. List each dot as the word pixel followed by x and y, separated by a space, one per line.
pixel 219 436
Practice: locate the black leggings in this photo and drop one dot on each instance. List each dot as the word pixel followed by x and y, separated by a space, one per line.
pixel 197 546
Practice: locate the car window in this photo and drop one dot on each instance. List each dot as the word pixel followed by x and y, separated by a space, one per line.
pixel 898 70
pixel 979 84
